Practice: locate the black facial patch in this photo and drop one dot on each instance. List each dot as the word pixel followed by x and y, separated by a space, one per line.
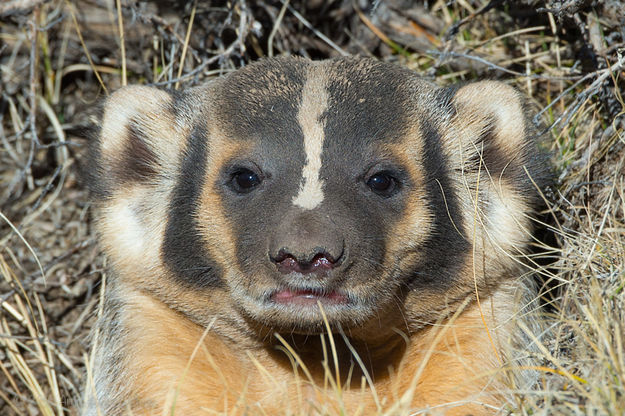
pixel 445 249
pixel 261 101
pixel 138 162
pixel 182 249
pixel 367 102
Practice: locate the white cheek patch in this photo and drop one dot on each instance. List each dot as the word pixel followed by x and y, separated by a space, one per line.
pixel 314 103
pixel 128 233
pixel 133 237
pixel 506 223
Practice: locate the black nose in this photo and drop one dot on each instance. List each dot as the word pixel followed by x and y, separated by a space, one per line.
pixel 319 260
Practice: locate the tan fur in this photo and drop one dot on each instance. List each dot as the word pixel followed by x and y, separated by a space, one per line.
pixel 213 224
pixel 500 110
pixel 416 226
pixel 445 363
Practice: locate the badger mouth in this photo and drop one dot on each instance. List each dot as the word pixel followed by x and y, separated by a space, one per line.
pixel 307 308
pixel 308 297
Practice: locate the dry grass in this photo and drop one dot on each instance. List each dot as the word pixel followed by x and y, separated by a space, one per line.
pixel 58 57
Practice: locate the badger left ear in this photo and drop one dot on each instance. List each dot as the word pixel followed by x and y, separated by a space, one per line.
pixel 493 149
pixel 492 130
pixel 142 134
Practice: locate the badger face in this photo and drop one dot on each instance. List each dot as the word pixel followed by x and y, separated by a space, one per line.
pixel 315 192
pixel 291 189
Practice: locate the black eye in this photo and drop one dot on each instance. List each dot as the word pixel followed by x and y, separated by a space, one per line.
pixel 382 183
pixel 244 180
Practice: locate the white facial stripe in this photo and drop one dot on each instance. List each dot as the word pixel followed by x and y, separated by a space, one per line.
pixel 314 103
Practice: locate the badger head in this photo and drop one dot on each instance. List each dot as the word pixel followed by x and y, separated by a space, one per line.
pixel 293 192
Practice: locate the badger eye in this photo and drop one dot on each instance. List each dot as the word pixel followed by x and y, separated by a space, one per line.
pixel 382 183
pixel 244 180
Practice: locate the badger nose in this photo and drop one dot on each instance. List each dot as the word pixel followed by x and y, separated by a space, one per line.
pixel 307 242
pixel 317 261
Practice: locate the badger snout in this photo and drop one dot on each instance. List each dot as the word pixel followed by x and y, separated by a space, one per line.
pixel 317 261
pixel 307 243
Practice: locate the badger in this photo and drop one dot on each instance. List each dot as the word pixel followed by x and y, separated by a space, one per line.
pixel 314 237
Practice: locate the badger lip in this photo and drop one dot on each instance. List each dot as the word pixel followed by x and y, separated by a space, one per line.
pixel 308 297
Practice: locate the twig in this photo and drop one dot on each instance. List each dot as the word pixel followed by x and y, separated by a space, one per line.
pixel 447 54
pixel 52 24
pixel 185 45
pixel 122 41
pixel 315 31
pixel 69 253
pixel 200 67
pixel 159 22
pixel 7 146
pixel 243 27
pixel 567 8
pixel 592 89
pixel 32 98
pixel 378 32
pixel 454 28
pixel 509 34
pixel 84 46
pixel 47 188
pixel 19 6
pixel 276 25
pixel 21 237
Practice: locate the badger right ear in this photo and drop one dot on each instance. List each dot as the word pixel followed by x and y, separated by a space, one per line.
pixel 492 135
pixel 142 133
